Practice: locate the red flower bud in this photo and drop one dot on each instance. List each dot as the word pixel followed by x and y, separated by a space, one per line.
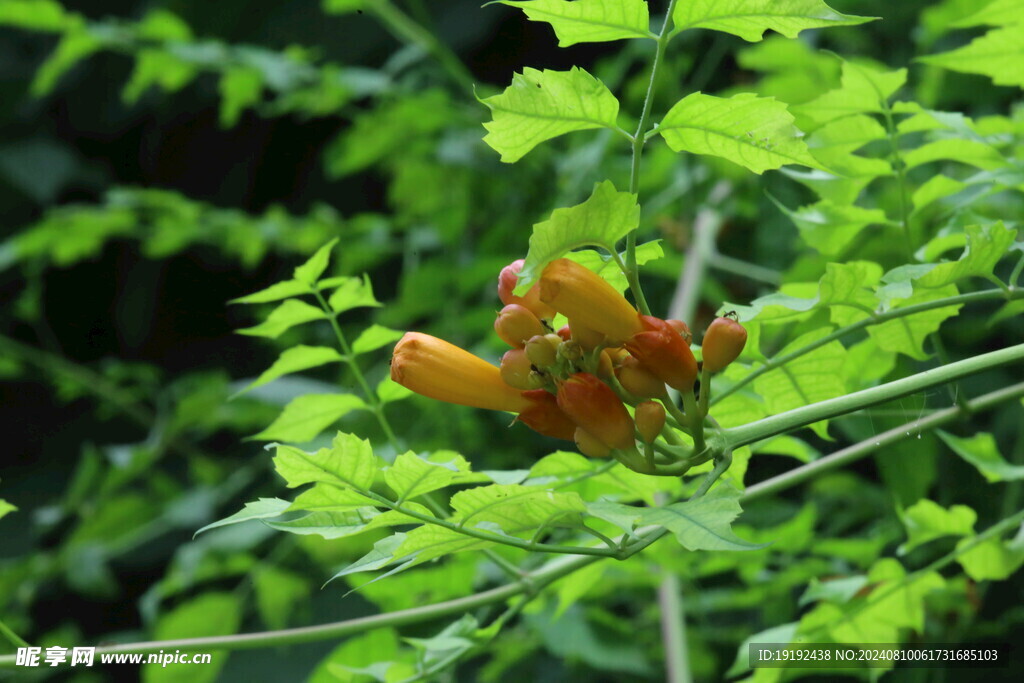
pixel 650 418
pixel 593 406
pixel 507 281
pixel 723 343
pixel 587 299
pixel 682 328
pixel 434 368
pixel 662 351
pixel 590 445
pixel 638 380
pixel 515 324
pixel 543 415
pixel 517 371
pixel 565 332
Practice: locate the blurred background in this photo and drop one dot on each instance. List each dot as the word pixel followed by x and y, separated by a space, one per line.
pixel 159 159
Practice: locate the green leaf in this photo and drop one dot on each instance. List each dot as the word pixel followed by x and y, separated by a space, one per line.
pixel 349 463
pixel 749 19
pixel 815 376
pixel 985 247
pixel 389 391
pixel 994 13
pixel 411 476
pixel 863 89
pixel 605 266
pixel 210 614
pixel 306 416
pixel 6 508
pixel 926 521
pixel 997 54
pixel 702 524
pixel 589 21
pixel 846 285
pixel 37 15
pixel 376 645
pixel 981 451
pixel 353 293
pixel 296 359
pixel 970 152
pixel 160 68
pixel 906 335
pixel 754 132
pixel 264 508
pixel 830 227
pixel 75 45
pixel 373 338
pixel 278 594
pixel 287 315
pixel 333 524
pixel 275 292
pixel 602 220
pixel 330 497
pixel 540 105
pixel 342 6
pixel 514 508
pixel 992 560
pixel 935 188
pixel 240 88
pixel 310 271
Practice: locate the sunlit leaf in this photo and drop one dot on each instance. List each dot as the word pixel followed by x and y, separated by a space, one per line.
pixel 349 463
pixel 907 334
pixel 289 314
pixel 353 292
pixel 310 271
pixel 36 15
pixel 264 508
pixel 6 508
pixel 602 220
pixel 373 338
pixel 995 13
pixel 997 54
pixel 993 559
pixel 332 524
pixel 702 524
pixel 540 105
pixel 513 507
pixel 297 359
pixel 830 227
pixel 389 390
pixel 754 132
pixel 926 521
pixel 240 88
pixel 749 19
pixel 864 89
pixel 986 246
pixel 982 451
pixel 278 594
pixel 589 21
pixel 969 152
pixel 411 476
pixel 209 614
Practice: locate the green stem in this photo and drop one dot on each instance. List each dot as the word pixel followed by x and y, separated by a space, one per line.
pixel 1015 275
pixel 371 396
pixel 894 314
pixel 705 392
pixel 13 637
pixel 673 628
pixel 402 27
pixel 552 571
pixel 823 410
pixel 695 421
pixel 901 177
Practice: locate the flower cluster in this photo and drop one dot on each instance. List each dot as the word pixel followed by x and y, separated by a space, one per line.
pixel 572 383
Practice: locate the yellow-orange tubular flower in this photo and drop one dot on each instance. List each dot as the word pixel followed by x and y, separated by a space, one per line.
pixel 586 298
pixel 436 369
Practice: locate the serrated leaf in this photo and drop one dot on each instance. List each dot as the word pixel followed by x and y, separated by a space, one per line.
pixel 981 451
pixel 992 560
pixel 703 524
pixel 830 227
pixel 332 524
pixel 934 189
pixel 310 271
pixel 411 476
pixel 348 463
pixel 602 220
pixel 264 508
pixel 373 338
pixel 906 335
pixel 749 19
pixel 970 152
pixel 605 266
pixel 330 496
pixel 540 105
pixel 754 132
pixel 306 416
pixel 847 285
pixel 815 376
pixel 275 292
pixel 926 521
pixel 863 90
pixel 353 292
pixel 589 21
pixel 995 13
pixel 985 247
pixel 512 507
pixel 286 316
pixel 997 54
pixel 296 359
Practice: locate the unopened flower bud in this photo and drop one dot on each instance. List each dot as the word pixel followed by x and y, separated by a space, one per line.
pixel 515 324
pixel 723 343
pixel 586 298
pixel 663 351
pixel 517 372
pixel 565 332
pixel 592 405
pixel 605 368
pixel 434 368
pixel 571 351
pixel 638 380
pixel 650 418
pixel 542 349
pixel 584 336
pixel 682 328
pixel 543 415
pixel 507 281
pixel 589 445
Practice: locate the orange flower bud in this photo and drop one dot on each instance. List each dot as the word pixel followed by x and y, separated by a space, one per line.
pixel 605 369
pixel 593 406
pixel 507 281
pixel 515 324
pixel 650 418
pixel 543 415
pixel 590 445
pixel 662 350
pixel 723 343
pixel 584 297
pixel 682 328
pixel 436 369
pixel 638 380
pixel 542 350
pixel 517 371
pixel 584 336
